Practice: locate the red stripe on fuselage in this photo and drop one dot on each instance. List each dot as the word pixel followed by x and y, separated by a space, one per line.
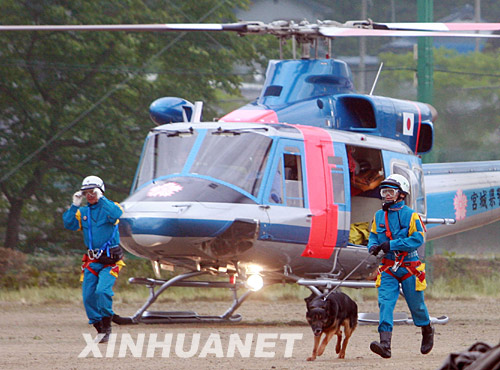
pixel 323 235
pixel 251 115
pixel 419 125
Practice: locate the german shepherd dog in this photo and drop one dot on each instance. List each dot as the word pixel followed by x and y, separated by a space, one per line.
pixel 327 316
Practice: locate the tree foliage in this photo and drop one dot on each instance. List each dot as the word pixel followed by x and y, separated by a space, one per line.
pixel 466 94
pixel 83 97
pixel 75 103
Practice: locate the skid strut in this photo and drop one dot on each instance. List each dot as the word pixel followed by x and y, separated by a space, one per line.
pixel 170 317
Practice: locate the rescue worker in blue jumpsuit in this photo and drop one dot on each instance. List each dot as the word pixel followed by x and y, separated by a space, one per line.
pixel 397 230
pixel 101 264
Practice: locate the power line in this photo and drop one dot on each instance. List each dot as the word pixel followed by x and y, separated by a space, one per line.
pixel 38 64
pixel 99 102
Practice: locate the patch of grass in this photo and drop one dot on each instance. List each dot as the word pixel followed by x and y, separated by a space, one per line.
pixel 39 279
pixel 464 277
pixel 464 287
pixel 42 295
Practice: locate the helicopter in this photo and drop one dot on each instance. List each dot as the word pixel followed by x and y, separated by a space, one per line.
pixel 284 189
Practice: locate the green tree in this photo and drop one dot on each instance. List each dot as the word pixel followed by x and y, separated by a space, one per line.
pixel 75 103
pixel 466 94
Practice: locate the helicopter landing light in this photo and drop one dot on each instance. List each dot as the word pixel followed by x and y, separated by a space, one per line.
pixel 255 282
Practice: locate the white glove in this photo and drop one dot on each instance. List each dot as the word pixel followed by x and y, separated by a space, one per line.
pixel 77 198
pixel 98 193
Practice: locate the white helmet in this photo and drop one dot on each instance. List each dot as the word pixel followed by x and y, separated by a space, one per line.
pixel 398 181
pixel 91 182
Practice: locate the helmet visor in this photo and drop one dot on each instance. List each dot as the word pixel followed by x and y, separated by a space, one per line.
pixel 391 192
pixel 88 191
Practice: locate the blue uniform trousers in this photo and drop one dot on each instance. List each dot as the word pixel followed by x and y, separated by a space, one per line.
pixel 388 294
pixel 97 292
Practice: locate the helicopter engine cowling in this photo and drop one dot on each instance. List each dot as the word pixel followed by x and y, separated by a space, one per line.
pixel 407 121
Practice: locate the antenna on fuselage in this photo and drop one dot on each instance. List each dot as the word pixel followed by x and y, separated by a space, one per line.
pixel 376 78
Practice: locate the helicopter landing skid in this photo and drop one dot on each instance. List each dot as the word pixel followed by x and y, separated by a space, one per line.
pixel 399 319
pixel 172 317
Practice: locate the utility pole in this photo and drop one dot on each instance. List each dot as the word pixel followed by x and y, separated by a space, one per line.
pixel 362 51
pixel 425 66
pixel 477 19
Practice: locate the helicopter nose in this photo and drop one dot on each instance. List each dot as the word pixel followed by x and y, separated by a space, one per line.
pixel 148 227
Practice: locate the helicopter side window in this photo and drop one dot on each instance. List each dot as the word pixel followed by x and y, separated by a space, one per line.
pixel 402 169
pixel 273 90
pixel 294 193
pixel 277 186
pixel 415 176
pixel 418 190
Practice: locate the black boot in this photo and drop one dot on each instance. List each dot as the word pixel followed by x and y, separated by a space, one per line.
pixel 106 329
pixel 98 327
pixel 122 320
pixel 427 339
pixel 383 348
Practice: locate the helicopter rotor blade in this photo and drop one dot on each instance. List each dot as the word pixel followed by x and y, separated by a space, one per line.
pixel 286 29
pixel 356 32
pixel 172 27
pixel 435 26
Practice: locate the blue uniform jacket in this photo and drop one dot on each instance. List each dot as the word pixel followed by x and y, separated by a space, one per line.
pixel 406 228
pixel 104 216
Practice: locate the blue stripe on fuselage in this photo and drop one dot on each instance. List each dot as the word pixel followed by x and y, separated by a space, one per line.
pixel 462 203
pixel 175 227
pixel 211 228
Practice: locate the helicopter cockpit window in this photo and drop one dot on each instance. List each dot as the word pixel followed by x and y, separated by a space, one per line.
pixel 164 154
pixel 238 158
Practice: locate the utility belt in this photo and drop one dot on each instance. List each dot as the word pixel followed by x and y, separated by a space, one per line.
pixel 112 255
pixel 415 268
pixel 116 265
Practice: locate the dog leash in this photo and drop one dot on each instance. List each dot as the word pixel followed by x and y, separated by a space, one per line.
pixel 344 279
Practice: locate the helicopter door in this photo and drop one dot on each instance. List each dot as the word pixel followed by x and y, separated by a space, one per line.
pixel 339 170
pixel 325 183
pixel 285 195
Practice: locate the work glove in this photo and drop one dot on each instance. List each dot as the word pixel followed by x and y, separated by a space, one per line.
pixel 374 249
pixel 116 253
pixel 98 193
pixel 385 247
pixel 77 198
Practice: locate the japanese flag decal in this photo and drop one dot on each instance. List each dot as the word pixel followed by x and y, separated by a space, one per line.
pixel 408 121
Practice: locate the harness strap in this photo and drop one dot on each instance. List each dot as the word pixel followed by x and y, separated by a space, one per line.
pixel 86 261
pixel 388 232
pixel 410 266
pixel 105 246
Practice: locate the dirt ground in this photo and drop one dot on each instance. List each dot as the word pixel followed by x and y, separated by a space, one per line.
pixel 53 337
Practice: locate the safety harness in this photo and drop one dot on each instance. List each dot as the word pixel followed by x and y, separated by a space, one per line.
pixel 86 261
pixel 391 266
pixel 93 255
pixel 96 253
pixel 388 266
